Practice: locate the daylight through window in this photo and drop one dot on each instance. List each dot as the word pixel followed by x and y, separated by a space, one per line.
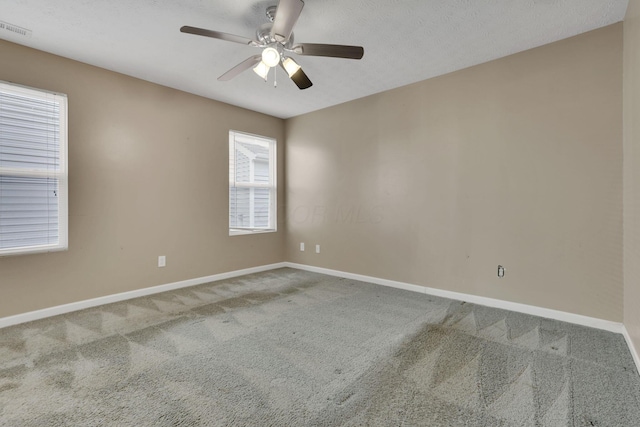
pixel 252 183
pixel 33 170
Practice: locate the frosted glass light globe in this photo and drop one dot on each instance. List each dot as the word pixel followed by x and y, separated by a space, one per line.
pixel 270 57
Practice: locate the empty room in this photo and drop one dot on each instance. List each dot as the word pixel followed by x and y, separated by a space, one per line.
pixel 320 213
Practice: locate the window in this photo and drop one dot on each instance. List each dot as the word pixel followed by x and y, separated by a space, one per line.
pixel 252 184
pixel 33 170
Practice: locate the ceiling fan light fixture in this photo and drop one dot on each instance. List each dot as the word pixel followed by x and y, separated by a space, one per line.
pixel 270 57
pixel 262 70
pixel 290 66
pixel 275 38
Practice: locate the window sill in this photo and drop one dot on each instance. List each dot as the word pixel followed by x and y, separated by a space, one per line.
pixel 242 232
pixel 32 250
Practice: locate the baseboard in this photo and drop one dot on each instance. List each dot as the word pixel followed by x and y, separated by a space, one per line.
pixel 563 316
pixel 632 348
pixel 490 302
pixel 81 305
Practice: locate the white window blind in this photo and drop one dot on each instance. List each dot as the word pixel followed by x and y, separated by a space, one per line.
pixel 33 170
pixel 252 183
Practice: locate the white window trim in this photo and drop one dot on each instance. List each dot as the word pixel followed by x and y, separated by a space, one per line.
pixel 62 175
pixel 273 185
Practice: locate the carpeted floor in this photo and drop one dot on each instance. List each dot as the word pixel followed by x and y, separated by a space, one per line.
pixel 292 348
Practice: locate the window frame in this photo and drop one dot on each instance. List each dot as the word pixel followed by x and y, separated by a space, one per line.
pixel 272 185
pixel 61 175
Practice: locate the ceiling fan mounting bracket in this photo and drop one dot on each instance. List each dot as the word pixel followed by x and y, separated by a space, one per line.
pixel 271 12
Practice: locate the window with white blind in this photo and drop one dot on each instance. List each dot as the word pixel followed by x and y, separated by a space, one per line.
pixel 33 170
pixel 252 183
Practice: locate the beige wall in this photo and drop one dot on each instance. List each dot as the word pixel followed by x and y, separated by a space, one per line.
pixel 148 176
pixel 515 162
pixel 631 86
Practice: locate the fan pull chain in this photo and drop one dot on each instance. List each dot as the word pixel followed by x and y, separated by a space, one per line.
pixel 275 77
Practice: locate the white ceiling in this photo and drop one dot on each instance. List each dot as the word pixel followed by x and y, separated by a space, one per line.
pixel 405 41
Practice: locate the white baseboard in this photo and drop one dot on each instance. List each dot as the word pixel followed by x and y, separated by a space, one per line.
pixel 81 305
pixel 632 348
pixel 563 316
pixel 490 302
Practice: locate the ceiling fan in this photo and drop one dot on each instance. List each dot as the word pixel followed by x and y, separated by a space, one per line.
pixel 276 40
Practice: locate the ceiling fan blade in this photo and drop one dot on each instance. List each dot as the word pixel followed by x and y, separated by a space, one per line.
pixel 243 66
pixel 217 35
pixel 299 78
pixel 332 50
pixel 287 15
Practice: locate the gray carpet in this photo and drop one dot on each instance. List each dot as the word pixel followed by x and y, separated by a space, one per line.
pixel 292 348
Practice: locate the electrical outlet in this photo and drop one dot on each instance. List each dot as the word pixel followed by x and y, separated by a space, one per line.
pixel 500 271
pixel 317 249
pixel 301 246
pixel 162 261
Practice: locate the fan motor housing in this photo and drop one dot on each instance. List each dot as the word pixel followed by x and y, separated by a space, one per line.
pixel 263 35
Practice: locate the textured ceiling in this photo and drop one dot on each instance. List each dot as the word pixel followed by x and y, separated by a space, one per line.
pixel 405 41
